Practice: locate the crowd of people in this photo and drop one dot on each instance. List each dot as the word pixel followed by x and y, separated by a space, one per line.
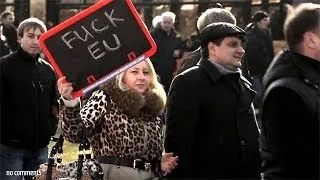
pixel 232 111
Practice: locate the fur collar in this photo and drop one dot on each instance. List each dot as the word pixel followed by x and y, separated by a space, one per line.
pixel 133 104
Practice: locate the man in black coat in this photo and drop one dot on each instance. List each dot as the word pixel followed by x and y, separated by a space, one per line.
pixel 211 125
pixel 291 107
pixel 259 52
pixel 211 15
pixel 27 101
pixel 169 48
pixel 4 48
pixel 9 30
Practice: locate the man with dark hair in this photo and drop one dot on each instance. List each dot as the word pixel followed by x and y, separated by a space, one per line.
pixel 211 125
pixel 8 29
pixel 259 52
pixel 27 101
pixel 211 15
pixel 291 107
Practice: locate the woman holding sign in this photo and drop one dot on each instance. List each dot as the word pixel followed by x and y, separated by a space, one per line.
pixel 123 120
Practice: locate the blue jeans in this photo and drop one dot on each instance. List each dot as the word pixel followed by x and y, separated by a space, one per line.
pixel 257 86
pixel 15 160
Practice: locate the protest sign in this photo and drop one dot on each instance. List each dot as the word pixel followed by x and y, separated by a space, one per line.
pixel 97 44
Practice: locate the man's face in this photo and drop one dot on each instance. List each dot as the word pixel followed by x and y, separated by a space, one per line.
pixel 228 54
pixel 8 21
pixel 30 41
pixel 167 24
pixel 264 23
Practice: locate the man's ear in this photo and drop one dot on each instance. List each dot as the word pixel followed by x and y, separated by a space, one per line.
pixel 211 48
pixel 311 39
pixel 19 40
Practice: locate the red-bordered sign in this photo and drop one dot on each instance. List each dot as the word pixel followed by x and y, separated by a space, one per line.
pixel 97 44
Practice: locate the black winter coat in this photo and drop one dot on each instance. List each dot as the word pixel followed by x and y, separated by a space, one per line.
pixel 163 60
pixel 27 97
pixel 11 34
pixel 4 49
pixel 259 51
pixel 211 125
pixel 290 119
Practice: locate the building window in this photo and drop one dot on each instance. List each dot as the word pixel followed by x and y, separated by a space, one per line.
pixel 256 2
pixel 72 1
pixel 91 1
pixel 187 20
pixel 65 14
pixel 7 5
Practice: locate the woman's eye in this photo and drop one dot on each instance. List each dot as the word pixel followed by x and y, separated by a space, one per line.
pixel 145 72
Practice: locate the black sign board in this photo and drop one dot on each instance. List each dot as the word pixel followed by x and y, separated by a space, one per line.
pixel 97 44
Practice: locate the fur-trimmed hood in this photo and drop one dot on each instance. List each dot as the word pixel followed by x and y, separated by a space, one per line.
pixel 133 104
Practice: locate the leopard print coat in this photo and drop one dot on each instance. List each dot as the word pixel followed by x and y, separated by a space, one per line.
pixel 120 123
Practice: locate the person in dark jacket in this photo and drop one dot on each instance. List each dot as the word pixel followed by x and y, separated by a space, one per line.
pixel 211 15
pixel 169 48
pixel 291 106
pixel 210 120
pixel 27 101
pixel 4 48
pixel 9 30
pixel 259 52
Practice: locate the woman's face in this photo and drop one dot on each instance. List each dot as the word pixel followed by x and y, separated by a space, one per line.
pixel 138 77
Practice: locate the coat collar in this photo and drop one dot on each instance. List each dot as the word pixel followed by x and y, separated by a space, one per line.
pixel 171 33
pixel 25 56
pixel 215 74
pixel 310 68
pixel 254 28
pixel 133 104
pixel 213 71
pixel 210 69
